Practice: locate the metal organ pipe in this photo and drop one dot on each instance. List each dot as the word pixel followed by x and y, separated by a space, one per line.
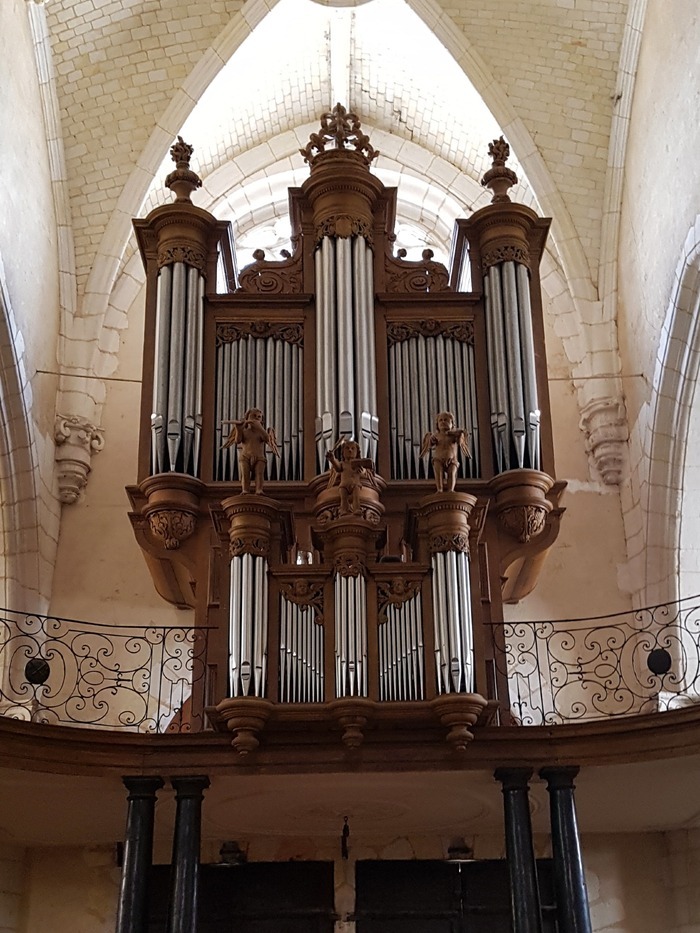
pixel 515 414
pixel 248 609
pixel 454 660
pixel 350 636
pixel 345 353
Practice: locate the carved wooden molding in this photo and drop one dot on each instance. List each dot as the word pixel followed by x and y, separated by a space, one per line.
pixel 398 331
pixel 187 254
pixel 523 522
pixel 342 130
pixel 306 595
pixel 249 544
pixel 332 513
pixel 350 564
pixel 394 593
pixel 506 252
pixel 458 541
pixel 271 277
pixel 407 276
pixel 229 332
pixel 343 226
pixel 172 526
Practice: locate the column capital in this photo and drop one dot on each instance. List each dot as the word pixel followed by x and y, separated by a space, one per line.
pixel 513 778
pixel 560 778
pixel 190 785
pixel 142 785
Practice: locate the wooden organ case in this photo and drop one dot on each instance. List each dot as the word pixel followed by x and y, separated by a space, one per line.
pixel 345 461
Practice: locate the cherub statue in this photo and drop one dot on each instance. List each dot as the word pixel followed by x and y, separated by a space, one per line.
pixel 348 473
pixel 251 438
pixel 443 443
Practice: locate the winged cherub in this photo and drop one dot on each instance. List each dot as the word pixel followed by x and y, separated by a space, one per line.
pixel 348 473
pixel 444 442
pixel 251 438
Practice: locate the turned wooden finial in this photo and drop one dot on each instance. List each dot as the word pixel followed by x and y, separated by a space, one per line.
pixel 340 129
pixel 183 181
pixel 499 177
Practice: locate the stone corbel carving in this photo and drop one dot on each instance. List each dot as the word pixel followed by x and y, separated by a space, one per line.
pixel 604 422
pixel 76 441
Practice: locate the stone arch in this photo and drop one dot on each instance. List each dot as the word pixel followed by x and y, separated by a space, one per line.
pixel 109 256
pixel 19 517
pixel 669 429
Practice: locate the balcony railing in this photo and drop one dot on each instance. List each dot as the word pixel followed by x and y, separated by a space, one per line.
pixel 630 663
pixel 131 678
pixel 145 678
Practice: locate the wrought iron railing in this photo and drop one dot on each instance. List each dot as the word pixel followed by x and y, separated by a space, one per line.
pixel 142 678
pixel 625 664
pixel 121 677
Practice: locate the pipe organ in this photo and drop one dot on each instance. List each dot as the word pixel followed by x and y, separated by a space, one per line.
pixel 345 461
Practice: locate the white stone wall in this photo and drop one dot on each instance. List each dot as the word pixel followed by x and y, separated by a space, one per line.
pixel 661 205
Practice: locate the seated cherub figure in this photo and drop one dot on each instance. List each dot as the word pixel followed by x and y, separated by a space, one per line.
pixel 444 442
pixel 348 473
pixel 251 437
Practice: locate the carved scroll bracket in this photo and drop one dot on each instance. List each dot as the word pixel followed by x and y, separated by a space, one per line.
pixel 408 276
pixel 604 422
pixel 76 441
pixel 271 276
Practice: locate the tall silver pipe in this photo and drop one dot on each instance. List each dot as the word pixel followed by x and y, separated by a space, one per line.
pixel 344 309
pixel 466 617
pixel 160 375
pixel 514 367
pixel 199 379
pixel 454 621
pixel 406 375
pixel 246 622
pixel 470 381
pixel 175 375
pixel 498 389
pixel 426 415
pixel 362 599
pixel 527 347
pixel 235 625
pixel 191 357
pixel 414 404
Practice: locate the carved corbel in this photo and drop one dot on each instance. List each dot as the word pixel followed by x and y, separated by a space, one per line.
pixel 76 441
pixel 352 714
pixel 459 711
pixel 604 423
pixel 171 508
pixel 245 717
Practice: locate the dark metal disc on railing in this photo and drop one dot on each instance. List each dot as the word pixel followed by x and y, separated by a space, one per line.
pixel 659 661
pixel 37 671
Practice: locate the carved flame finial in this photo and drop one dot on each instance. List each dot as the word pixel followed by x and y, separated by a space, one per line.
pixel 344 130
pixel 183 181
pixel 499 178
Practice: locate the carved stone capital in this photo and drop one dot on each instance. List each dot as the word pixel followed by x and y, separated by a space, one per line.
pixel 604 423
pixel 76 441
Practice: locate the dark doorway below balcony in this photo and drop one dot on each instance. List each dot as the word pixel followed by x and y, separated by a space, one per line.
pixel 442 897
pixel 263 897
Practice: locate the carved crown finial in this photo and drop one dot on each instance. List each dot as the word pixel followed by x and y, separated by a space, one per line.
pixel 183 181
pixel 499 178
pixel 343 130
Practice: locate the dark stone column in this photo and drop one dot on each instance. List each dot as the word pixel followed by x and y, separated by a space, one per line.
pixel 522 869
pixel 138 853
pixel 572 897
pixel 182 913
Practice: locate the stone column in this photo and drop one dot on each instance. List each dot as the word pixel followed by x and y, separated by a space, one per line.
pixel 522 868
pixel 138 852
pixel 570 882
pixel 182 913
